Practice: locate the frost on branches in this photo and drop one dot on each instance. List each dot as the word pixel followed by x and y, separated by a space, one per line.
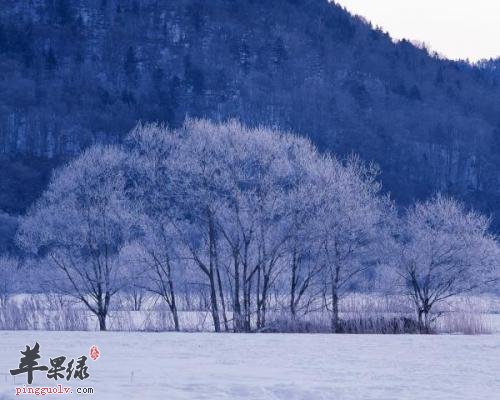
pixel 253 220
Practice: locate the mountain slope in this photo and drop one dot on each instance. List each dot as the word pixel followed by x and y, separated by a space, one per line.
pixel 75 72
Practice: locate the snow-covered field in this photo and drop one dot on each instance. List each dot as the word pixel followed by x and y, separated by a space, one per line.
pixel 267 366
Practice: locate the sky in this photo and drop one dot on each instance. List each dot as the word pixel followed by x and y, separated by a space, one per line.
pixel 456 29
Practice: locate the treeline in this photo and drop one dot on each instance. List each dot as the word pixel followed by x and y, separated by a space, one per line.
pixel 78 72
pixel 249 218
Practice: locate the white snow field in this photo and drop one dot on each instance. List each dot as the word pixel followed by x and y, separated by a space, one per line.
pixel 265 366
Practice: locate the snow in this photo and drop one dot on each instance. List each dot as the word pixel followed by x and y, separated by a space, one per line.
pixel 267 366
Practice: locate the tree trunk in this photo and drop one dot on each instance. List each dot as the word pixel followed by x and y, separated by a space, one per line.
pixel 423 321
pixel 101 316
pixel 335 322
pixel 293 287
pixel 420 321
pixel 213 303
pixel 248 305
pixel 222 299
pixel 137 297
pixel 335 313
pixel 213 293
pixel 175 317
pixel 237 323
pixel 102 308
pixel 258 299
pixel 265 290
pixel 173 306
pixel 247 290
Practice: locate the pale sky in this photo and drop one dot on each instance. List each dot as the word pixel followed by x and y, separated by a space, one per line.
pixel 454 28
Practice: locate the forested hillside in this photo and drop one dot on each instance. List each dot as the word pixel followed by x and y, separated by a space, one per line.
pixel 76 72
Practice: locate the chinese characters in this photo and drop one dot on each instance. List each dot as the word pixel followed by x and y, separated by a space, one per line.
pixel 59 369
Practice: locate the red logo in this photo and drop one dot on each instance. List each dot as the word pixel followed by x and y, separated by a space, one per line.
pixel 94 353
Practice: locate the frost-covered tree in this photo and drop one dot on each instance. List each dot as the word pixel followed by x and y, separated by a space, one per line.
pixel 257 212
pixel 154 266
pixel 250 164
pixel 304 259
pixel 134 294
pixel 445 251
pixel 220 195
pixel 157 255
pixel 258 218
pixel 176 191
pixel 351 221
pixel 80 224
pixel 259 191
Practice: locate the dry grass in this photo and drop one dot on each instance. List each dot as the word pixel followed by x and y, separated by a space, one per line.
pixel 359 313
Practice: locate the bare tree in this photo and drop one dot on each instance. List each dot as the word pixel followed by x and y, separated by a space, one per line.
pixel 445 251
pixel 152 261
pixel 180 172
pixel 351 223
pixel 80 224
pixel 249 207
